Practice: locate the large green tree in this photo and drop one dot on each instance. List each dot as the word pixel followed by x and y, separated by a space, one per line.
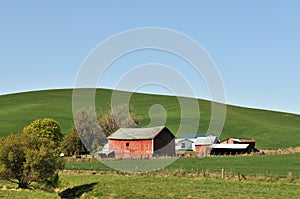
pixel 27 158
pixel 45 128
pixel 72 144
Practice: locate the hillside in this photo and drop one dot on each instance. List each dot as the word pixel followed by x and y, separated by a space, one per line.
pixel 272 130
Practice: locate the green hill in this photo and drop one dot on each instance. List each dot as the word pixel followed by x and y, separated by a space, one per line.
pixel 271 129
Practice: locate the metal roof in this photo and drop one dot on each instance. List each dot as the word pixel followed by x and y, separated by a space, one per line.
pixel 183 139
pixel 206 140
pixel 136 133
pixel 192 136
pixel 229 146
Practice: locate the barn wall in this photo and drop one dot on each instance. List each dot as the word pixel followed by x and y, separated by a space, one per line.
pixel 202 150
pixel 164 144
pixel 131 148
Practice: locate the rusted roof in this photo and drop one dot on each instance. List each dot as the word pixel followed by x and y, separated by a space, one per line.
pixel 246 140
pixel 136 133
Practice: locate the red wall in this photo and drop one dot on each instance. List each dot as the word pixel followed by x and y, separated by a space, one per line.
pixel 164 145
pixel 135 148
pixel 202 150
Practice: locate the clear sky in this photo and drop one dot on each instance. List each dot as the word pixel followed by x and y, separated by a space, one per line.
pixel 255 44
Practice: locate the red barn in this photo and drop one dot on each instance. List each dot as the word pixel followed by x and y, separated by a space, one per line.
pixel 142 142
pixel 203 145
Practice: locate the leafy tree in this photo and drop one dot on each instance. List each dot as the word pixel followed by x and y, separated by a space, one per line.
pixel 73 145
pixel 118 117
pixel 45 128
pixel 27 158
pixel 88 129
pixel 93 131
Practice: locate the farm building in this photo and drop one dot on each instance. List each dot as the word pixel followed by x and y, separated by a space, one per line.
pixel 203 144
pixel 230 149
pixel 142 142
pixel 238 141
pixel 185 144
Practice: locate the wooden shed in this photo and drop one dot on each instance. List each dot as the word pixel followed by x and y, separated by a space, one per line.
pixel 142 142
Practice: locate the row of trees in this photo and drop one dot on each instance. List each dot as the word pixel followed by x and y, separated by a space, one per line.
pixel 33 154
pixel 89 133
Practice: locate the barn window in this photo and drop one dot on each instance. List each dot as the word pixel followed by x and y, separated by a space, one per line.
pixel 127 143
pixel 182 145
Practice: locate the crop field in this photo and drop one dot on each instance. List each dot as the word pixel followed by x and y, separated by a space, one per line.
pixel 271 130
pixel 132 186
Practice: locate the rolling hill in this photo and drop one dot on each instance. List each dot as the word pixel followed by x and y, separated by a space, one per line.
pixel 272 130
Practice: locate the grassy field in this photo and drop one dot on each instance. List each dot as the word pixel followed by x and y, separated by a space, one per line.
pixel 272 130
pixel 267 165
pixel 132 186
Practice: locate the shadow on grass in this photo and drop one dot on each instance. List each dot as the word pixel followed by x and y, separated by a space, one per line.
pixel 77 191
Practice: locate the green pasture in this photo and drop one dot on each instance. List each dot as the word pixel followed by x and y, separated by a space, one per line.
pixel 266 165
pixel 145 186
pixel 272 130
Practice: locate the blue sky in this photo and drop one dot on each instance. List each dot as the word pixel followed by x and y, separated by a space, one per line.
pixel 254 44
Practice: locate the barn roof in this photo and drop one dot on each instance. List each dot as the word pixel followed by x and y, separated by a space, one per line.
pixel 229 146
pixel 206 140
pixel 136 133
pixel 178 140
pixel 241 139
pixel 192 136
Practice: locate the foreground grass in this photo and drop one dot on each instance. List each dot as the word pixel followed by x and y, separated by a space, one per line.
pixel 132 186
pixel 266 165
pixel 272 130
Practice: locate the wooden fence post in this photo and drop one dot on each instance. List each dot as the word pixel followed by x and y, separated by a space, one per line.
pixel 222 173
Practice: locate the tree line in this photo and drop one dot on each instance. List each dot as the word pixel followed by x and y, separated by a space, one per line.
pixel 33 154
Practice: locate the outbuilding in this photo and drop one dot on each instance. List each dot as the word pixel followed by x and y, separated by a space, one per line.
pixel 203 144
pixel 230 149
pixel 250 142
pixel 184 144
pixel 239 141
pixel 142 142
